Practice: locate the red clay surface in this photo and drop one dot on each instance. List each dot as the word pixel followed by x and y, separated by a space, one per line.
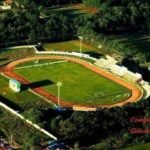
pixel 135 96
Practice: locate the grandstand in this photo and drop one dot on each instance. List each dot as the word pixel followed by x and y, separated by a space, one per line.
pixel 110 64
pixel 103 63
pixel 111 59
pixel 118 70
pixel 146 87
pixel 132 77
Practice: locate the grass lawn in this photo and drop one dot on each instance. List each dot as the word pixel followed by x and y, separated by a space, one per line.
pixel 72 10
pixel 19 101
pixel 73 45
pixel 80 85
pixel 139 147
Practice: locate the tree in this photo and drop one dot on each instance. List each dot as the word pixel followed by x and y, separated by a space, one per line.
pixel 31 141
pixel 34 115
pixel 55 123
pixel 57 27
pixel 91 3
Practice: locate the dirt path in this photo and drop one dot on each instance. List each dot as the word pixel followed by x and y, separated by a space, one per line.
pixel 136 92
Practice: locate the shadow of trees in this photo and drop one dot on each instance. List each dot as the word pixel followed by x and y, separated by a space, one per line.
pixel 10 103
pixel 94 54
pixel 135 67
pixel 36 84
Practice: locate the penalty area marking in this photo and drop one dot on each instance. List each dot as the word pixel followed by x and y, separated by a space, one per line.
pixel 43 64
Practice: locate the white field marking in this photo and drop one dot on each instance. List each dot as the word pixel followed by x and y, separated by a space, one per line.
pixel 99 94
pixel 89 101
pixel 43 64
pixel 118 96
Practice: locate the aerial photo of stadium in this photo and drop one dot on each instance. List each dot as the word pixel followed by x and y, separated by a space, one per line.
pixel 74 74
pixel 83 84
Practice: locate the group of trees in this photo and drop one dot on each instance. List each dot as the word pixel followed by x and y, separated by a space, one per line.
pixel 17 133
pixel 112 45
pixel 112 124
pixel 120 15
pixel 30 28
pixel 26 23
pixel 115 18
pixel 108 126
pixel 23 23
pixel 122 18
pixel 99 3
pixel 91 3
pixel 48 2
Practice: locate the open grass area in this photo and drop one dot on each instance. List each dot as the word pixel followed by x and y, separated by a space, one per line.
pixel 73 45
pixel 72 11
pixel 80 85
pixel 19 101
pixel 139 147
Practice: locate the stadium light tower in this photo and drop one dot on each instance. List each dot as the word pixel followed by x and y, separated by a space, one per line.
pixel 59 84
pixel 81 38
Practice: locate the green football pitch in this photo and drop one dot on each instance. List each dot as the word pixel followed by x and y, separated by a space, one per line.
pixel 80 85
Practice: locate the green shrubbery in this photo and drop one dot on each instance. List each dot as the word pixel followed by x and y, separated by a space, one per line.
pixel 17 132
pixel 93 3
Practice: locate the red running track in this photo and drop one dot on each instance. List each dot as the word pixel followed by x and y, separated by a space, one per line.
pixel 135 96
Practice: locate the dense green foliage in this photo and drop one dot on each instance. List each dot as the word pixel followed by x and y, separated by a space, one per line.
pixel 99 3
pixel 139 147
pixel 27 23
pixel 118 19
pixel 122 18
pixel 23 24
pixel 48 2
pixel 119 44
pixel 93 3
pixel 18 133
pixel 110 126
pixel 28 27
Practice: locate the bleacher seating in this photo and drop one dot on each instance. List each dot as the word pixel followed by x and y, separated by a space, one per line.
pixel 110 64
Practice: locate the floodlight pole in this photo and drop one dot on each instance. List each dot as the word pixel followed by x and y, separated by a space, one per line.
pixel 59 84
pixel 58 95
pixel 81 38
